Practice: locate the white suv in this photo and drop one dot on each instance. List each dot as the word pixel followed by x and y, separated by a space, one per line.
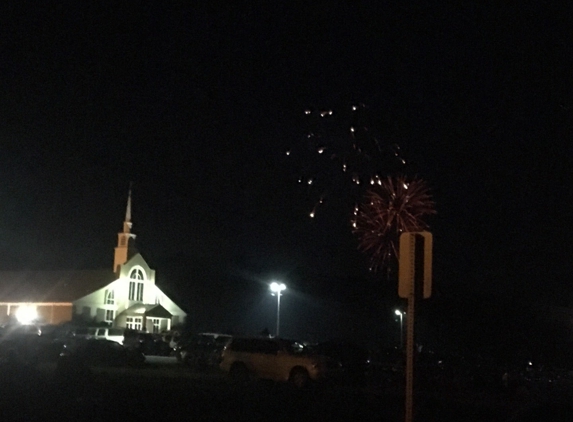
pixel 273 359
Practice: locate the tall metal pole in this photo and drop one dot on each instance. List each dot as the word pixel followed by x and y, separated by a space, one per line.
pixel 415 273
pixel 410 358
pixel 278 311
pixel 401 330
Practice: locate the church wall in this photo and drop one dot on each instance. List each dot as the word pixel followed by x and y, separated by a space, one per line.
pixel 136 261
pixel 61 314
pixel 175 310
pixel 3 314
pixel 100 315
pixel 91 302
pixel 51 314
pixel 120 321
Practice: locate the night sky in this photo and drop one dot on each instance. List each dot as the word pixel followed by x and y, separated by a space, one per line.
pixel 197 105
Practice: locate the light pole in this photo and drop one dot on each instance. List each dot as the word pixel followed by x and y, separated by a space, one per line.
pixel 401 315
pixel 277 288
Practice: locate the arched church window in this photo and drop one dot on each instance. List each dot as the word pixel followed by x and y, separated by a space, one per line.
pixel 109 297
pixel 137 274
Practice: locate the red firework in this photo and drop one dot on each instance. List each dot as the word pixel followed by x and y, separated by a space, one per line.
pixel 392 206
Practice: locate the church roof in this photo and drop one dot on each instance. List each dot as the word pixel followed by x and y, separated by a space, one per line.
pixel 51 286
pixel 149 310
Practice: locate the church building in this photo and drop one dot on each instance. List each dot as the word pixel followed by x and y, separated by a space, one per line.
pixel 125 296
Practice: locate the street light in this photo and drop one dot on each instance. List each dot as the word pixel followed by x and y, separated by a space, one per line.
pixel 401 315
pixel 277 288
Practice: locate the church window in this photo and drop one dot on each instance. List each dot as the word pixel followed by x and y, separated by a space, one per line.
pixel 109 297
pixel 133 323
pixel 122 241
pixel 135 291
pixel 139 291
pixel 135 285
pixel 137 274
pixel 156 324
pixel 109 315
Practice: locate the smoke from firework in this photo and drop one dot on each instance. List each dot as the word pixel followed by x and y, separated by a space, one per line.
pixel 390 207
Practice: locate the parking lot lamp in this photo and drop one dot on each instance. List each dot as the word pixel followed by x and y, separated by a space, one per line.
pixel 401 315
pixel 277 288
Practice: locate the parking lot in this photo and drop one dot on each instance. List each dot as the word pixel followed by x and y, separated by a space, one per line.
pixel 162 387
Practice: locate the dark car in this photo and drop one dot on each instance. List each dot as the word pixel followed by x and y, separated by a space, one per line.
pixel 147 343
pixel 202 350
pixel 98 352
pixel 348 361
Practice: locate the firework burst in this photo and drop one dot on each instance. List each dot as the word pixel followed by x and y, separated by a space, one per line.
pixel 390 207
pixel 340 155
pixel 343 159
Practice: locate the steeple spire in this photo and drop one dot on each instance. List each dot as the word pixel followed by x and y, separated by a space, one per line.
pixel 128 210
pixel 127 221
pixel 124 249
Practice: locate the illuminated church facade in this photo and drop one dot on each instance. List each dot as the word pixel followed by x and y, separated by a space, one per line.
pixel 125 297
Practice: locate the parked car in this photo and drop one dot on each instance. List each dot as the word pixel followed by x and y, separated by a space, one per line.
pixel 171 338
pixel 349 361
pixel 18 330
pixel 101 352
pixel 148 344
pixel 202 350
pixel 101 333
pixel 274 359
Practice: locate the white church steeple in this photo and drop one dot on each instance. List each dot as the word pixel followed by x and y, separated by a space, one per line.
pixel 125 239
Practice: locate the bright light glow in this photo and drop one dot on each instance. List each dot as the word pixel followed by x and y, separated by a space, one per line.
pixel 140 311
pixel 26 314
pixel 397 312
pixel 277 287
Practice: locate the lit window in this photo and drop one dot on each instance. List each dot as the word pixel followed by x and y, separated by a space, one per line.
pixel 133 323
pixel 131 290
pixel 156 324
pixel 137 274
pixel 109 297
pixel 136 286
pixel 109 315
pixel 135 291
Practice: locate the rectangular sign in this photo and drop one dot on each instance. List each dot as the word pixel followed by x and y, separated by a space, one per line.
pixel 407 264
